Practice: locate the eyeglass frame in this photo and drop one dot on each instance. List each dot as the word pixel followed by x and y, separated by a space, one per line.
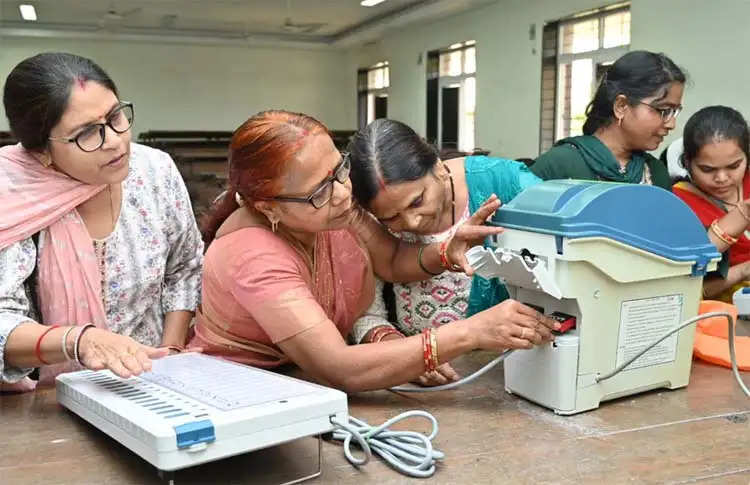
pixel 665 118
pixel 345 160
pixel 102 128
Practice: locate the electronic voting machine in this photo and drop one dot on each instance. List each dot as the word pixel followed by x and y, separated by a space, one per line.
pixel 192 408
pixel 624 262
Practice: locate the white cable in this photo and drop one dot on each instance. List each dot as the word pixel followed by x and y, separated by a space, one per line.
pixel 732 355
pixel 465 380
pixel 402 450
pixel 408 452
pixel 598 378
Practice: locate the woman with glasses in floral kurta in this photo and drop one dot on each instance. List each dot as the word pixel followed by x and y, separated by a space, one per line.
pixel 97 237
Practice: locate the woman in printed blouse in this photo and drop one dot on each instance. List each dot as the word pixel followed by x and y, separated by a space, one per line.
pixel 291 266
pixel 716 149
pixel 634 108
pixel 399 178
pixel 99 229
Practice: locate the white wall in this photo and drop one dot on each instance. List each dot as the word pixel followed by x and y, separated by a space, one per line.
pixel 508 69
pixel 206 87
pixel 709 39
pixel 218 87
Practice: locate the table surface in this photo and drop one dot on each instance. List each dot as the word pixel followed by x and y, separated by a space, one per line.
pixel 699 434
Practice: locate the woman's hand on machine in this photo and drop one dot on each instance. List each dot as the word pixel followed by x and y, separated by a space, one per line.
pixel 513 325
pixel 470 234
pixel 102 349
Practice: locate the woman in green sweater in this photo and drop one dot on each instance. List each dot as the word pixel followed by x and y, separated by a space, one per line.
pixel 634 108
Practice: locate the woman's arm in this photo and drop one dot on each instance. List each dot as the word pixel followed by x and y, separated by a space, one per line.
pixel 398 261
pixel 98 349
pixel 734 223
pixel 17 262
pixel 374 321
pixel 715 285
pixel 182 274
pixel 373 327
pixel 176 326
pixel 322 353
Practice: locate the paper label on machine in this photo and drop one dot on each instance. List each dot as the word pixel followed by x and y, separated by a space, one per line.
pixel 643 322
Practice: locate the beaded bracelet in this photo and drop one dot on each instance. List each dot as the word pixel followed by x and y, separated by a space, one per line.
pixel 722 234
pixel 76 355
pixel 38 346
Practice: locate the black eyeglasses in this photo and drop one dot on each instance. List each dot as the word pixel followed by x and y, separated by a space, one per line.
pixel 667 114
pixel 92 137
pixel 322 195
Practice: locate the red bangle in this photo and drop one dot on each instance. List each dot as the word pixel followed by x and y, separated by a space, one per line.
pixel 382 332
pixel 443 255
pixel 372 335
pixel 434 349
pixel 429 364
pixel 38 346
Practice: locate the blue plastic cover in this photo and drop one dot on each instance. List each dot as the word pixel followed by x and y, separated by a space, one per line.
pixel 195 432
pixel 643 216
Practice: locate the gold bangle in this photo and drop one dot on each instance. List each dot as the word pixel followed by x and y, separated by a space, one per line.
pixel 433 342
pixel 722 234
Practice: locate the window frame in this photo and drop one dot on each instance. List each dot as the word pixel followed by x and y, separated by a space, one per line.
pixel 444 81
pixel 598 56
pixel 364 91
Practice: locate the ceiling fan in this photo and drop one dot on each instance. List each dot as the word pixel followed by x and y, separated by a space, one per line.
pixel 113 17
pixel 299 27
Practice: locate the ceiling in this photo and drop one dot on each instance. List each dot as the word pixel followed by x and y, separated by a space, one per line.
pixel 297 22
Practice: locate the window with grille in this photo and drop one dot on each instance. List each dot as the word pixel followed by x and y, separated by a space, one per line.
pixel 576 53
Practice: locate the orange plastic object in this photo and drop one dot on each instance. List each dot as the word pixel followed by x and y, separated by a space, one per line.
pixel 712 337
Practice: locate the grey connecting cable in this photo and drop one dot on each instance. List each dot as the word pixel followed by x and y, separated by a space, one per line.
pixel 412 454
pixel 732 355
pixel 598 378
pixel 465 380
pixel 408 452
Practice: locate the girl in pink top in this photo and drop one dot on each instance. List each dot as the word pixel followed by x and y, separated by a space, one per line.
pixel 291 265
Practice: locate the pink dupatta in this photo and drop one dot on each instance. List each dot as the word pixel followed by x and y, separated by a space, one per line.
pixel 34 197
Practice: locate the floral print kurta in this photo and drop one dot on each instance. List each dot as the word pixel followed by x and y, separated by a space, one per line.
pixel 150 264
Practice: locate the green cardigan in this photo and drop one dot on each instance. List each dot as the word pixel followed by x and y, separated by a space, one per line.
pixel 566 162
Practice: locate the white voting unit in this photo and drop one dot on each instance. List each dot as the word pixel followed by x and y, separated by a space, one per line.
pixel 192 408
pixel 626 261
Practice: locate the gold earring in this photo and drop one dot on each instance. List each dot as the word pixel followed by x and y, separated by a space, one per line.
pixel 619 121
pixel 274 225
pixel 46 160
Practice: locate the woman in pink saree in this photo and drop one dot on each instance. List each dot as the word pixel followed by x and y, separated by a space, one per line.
pixel 291 265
